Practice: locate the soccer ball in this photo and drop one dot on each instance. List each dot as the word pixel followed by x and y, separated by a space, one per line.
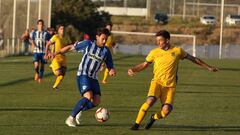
pixel 102 115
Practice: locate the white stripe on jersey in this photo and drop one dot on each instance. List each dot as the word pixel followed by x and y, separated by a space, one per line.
pixel 93 62
pixel 87 60
pixel 80 65
pixel 98 66
pixel 39 41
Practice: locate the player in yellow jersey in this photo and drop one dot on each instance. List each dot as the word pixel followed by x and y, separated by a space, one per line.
pixel 163 85
pixel 58 64
pixel 110 43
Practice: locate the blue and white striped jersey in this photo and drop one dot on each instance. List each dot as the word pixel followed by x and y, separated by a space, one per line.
pixel 39 40
pixel 93 57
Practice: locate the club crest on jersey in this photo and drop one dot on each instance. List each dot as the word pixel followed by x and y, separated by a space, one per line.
pixel 84 87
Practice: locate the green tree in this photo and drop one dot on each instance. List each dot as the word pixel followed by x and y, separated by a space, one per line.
pixel 80 14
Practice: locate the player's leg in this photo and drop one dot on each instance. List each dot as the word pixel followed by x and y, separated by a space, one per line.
pixel 42 66
pixel 153 94
pixel 84 85
pixel 105 76
pixel 167 97
pixel 36 66
pixel 58 71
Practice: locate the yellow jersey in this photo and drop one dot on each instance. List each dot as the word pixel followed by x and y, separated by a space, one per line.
pixel 58 44
pixel 110 42
pixel 166 64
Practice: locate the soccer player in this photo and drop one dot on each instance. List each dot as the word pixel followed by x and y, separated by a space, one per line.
pixel 110 44
pixel 163 85
pixel 40 38
pixel 94 54
pixel 58 64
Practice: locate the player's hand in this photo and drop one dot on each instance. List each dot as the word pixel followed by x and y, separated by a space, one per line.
pixel 112 72
pixel 52 55
pixel 130 72
pixel 212 69
pixel 46 57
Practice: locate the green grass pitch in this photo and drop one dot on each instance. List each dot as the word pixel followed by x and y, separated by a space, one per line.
pixel 205 103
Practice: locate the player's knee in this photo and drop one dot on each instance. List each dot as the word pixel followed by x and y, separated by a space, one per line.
pixel 166 110
pixel 151 100
pixel 36 69
pixel 88 95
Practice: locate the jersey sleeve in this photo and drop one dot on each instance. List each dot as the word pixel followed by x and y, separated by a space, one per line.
pixel 81 46
pixel 150 57
pixel 47 36
pixel 109 61
pixel 183 54
pixel 53 39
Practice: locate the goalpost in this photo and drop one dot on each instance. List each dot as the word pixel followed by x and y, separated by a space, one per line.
pixel 193 37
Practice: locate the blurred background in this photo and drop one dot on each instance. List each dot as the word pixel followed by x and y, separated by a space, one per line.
pixel 195 25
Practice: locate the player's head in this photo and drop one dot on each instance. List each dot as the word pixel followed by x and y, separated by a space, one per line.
pixel 60 29
pixel 101 36
pixel 40 24
pixel 163 39
pixel 109 26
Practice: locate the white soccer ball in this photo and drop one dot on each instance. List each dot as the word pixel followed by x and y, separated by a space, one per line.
pixel 102 115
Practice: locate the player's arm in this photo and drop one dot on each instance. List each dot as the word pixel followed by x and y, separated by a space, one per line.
pixel 140 67
pixel 66 49
pixel 201 63
pixel 109 64
pixel 47 49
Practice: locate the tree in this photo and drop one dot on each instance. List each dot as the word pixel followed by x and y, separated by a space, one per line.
pixel 81 14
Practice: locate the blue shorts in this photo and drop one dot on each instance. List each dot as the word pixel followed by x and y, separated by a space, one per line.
pixel 39 57
pixel 86 83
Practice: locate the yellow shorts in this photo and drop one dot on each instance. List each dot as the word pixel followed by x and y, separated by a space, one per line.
pixel 58 63
pixel 165 94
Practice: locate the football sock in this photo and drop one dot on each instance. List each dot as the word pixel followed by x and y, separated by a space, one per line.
pixel 41 73
pixel 58 81
pixel 105 75
pixel 36 70
pixel 88 106
pixel 159 115
pixel 80 106
pixel 142 112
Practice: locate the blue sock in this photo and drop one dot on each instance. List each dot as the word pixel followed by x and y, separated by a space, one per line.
pixel 88 106
pixel 41 73
pixel 82 103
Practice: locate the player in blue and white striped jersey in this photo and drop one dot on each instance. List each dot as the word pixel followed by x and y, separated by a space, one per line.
pixel 94 54
pixel 40 38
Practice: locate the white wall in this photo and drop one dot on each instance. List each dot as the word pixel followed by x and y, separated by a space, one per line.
pixel 125 11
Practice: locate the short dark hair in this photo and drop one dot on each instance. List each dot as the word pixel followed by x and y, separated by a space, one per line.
pixel 59 25
pixel 102 31
pixel 40 20
pixel 163 33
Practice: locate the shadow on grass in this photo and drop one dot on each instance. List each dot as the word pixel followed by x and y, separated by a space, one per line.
pixel 209 85
pixel 195 128
pixel 229 69
pixel 50 74
pixel 29 79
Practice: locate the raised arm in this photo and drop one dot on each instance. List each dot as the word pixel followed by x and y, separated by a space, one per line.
pixel 132 71
pixel 66 49
pixel 201 63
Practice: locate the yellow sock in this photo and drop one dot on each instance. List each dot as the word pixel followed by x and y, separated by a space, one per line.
pixel 159 115
pixel 105 76
pixel 142 112
pixel 57 81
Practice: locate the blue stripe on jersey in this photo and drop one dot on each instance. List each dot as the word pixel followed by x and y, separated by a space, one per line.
pixel 92 59
pixel 39 39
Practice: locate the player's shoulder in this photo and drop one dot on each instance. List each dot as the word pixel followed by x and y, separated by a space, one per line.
pixel 84 42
